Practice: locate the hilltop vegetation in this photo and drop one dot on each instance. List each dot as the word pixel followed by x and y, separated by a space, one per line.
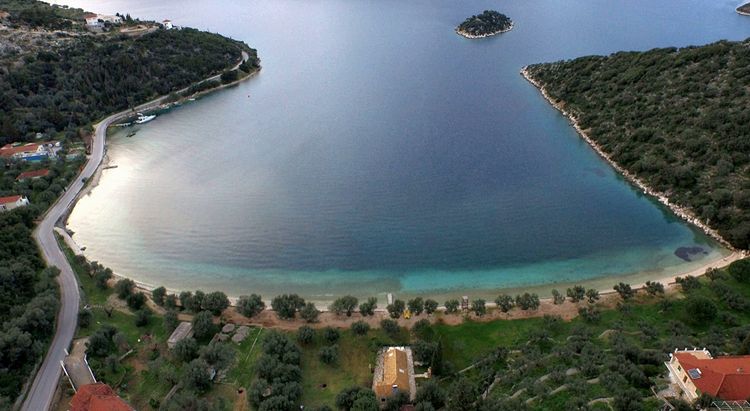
pixel 74 77
pixel 676 118
pixel 487 23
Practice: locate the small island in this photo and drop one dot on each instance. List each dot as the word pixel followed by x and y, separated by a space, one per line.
pixel 744 9
pixel 489 23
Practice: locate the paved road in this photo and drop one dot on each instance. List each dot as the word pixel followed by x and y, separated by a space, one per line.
pixel 43 388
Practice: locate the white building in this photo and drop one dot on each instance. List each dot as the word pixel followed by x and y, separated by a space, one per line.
pixel 11 202
pixel 167 24
pixel 98 20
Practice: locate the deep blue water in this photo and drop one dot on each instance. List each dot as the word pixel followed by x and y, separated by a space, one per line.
pixel 378 151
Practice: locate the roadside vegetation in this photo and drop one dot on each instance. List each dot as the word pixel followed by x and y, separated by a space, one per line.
pixel 675 118
pixel 28 292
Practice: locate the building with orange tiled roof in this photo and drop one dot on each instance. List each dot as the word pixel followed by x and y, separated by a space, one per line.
pixel 695 372
pixel 34 174
pixel 31 151
pixel 98 397
pixel 11 202
pixel 395 376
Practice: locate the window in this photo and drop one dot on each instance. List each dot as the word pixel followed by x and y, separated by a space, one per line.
pixel 684 379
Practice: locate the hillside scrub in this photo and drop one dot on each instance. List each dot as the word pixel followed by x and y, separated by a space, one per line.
pixel 676 118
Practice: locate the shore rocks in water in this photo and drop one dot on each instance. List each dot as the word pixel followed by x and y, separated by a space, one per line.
pixel 687 253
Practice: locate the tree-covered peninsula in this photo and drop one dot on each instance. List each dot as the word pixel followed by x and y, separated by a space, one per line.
pixel 744 9
pixel 677 119
pixel 489 23
pixel 57 75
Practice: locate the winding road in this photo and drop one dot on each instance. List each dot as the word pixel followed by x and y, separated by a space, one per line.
pixel 43 388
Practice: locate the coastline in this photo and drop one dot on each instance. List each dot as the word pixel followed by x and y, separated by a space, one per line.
pixel 471 36
pixel 682 212
pixel 740 12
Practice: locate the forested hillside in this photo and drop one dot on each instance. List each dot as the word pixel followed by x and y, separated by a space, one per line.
pixel 677 118
pixel 82 76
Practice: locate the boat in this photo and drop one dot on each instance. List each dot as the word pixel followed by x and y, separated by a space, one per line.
pixel 144 119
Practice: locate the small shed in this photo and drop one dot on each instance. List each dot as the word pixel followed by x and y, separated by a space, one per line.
pixel 184 330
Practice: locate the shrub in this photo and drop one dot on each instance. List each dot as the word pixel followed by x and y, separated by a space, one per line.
pixel 170 321
pixel 360 327
pixel 196 376
pixel 430 392
pixel 654 288
pixel 331 334
pixel 576 294
pixel 700 308
pixel 185 350
pixel 203 325
pixel 170 301
pixel 251 305
pixel 142 317
pixel 136 300
pixel 390 326
pixel 430 306
pixel 592 295
pixel 101 278
pixel 286 305
pixel 396 309
pixel 305 334
pixel 422 328
pixel 590 314
pixel 229 76
pixel 479 307
pixel 527 301
pixel 688 283
pixel 368 307
pixel 158 295
pixel 624 290
pixel 84 318
pixel 309 313
pixel 451 306
pixel 329 354
pixel 216 302
pixel 416 305
pixel 344 305
pixel 124 288
pixel 504 302
pixel 557 297
pixel 740 270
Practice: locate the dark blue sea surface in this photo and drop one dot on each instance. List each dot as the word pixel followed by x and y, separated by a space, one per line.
pixel 377 151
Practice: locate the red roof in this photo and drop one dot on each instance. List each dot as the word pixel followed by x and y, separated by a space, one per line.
pixel 8 150
pixel 9 199
pixel 726 377
pixel 33 174
pixel 97 397
pixel 89 15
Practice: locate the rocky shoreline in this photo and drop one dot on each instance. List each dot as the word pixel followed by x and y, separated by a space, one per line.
pixel 682 212
pixel 471 36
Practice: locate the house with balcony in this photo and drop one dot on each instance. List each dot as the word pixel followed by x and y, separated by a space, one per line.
pixel 694 372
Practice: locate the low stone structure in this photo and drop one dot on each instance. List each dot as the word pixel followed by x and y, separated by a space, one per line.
pixel 184 330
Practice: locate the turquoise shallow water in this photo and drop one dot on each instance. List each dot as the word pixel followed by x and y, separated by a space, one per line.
pixel 379 152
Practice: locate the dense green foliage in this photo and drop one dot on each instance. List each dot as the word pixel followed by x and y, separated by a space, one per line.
pixel 676 118
pixel 64 89
pixel 488 22
pixel 28 292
